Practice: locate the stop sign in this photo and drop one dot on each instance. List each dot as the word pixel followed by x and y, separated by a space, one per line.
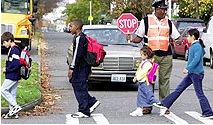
pixel 127 23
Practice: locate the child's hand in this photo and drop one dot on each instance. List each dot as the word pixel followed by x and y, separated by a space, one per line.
pixel 135 79
pixel 4 70
pixel 185 71
pixel 129 37
pixel 70 74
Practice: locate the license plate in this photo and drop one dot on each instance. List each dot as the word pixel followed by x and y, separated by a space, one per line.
pixel 118 78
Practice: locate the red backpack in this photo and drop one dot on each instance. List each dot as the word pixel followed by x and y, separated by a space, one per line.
pixel 95 52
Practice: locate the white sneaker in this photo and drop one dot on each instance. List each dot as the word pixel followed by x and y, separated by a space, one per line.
pixel 137 112
pixel 164 111
pixel 79 115
pixel 15 116
pixel 92 109
pixel 15 110
pixel 159 105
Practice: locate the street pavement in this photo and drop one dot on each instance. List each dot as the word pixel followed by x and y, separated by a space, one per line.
pixel 117 99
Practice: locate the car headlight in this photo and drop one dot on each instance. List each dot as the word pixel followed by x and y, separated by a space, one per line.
pixel 23 32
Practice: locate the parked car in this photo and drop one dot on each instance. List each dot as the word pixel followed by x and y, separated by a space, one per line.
pixel 67 28
pixel 207 38
pixel 119 64
pixel 182 23
pixel 183 49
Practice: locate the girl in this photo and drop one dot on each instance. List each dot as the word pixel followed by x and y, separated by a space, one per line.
pixel 194 75
pixel 145 97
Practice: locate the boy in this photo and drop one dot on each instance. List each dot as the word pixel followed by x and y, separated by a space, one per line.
pixel 79 71
pixel 10 84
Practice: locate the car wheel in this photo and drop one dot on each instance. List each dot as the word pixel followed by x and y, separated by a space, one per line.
pixel 211 60
pixel 186 54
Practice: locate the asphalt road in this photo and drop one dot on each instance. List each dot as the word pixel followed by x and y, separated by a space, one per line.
pixel 117 99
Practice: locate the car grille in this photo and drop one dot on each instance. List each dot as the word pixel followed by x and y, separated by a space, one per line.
pixel 8 28
pixel 118 63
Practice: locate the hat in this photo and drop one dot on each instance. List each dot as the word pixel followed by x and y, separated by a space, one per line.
pixel 160 4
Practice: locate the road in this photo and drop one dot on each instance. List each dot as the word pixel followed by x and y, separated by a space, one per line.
pixel 117 99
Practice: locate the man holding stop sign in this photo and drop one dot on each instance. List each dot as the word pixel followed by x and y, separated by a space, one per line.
pixel 156 29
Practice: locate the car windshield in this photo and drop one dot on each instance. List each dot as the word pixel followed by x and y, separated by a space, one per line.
pixel 183 25
pixel 15 6
pixel 108 36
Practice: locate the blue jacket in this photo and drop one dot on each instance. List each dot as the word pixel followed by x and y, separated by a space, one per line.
pixel 12 64
pixel 195 60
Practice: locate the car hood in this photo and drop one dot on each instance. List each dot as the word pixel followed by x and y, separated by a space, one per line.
pixel 122 51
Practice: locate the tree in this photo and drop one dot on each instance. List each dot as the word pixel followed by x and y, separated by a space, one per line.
pixel 200 9
pixel 44 7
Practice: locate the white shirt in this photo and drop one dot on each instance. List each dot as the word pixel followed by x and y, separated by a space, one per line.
pixel 141 29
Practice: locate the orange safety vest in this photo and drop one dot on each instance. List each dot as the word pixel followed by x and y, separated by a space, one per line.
pixel 158 35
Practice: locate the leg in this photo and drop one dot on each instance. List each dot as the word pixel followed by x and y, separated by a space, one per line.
pixel 5 90
pixel 165 70
pixel 204 103
pixel 170 99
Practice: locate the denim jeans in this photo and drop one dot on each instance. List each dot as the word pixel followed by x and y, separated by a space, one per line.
pixel 196 80
pixel 145 96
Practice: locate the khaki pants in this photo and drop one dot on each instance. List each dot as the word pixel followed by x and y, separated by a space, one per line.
pixel 165 70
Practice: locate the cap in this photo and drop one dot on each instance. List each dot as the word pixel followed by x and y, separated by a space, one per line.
pixel 160 4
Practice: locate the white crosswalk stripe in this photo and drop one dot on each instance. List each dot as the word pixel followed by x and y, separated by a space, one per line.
pixel 175 118
pixel 99 119
pixel 197 116
pixel 70 120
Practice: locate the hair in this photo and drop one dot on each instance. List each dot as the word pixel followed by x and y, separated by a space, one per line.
pixel 194 32
pixel 6 36
pixel 147 51
pixel 78 23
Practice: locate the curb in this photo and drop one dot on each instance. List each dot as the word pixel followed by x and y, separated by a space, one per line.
pixel 24 107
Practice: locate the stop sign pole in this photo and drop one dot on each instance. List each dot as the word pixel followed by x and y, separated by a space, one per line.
pixel 127 23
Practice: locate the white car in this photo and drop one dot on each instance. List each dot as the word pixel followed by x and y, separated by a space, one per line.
pixel 207 38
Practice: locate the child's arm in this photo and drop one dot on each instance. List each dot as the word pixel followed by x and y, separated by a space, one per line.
pixel 15 63
pixel 141 74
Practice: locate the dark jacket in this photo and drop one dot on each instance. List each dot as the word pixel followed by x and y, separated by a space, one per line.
pixel 79 52
pixel 13 64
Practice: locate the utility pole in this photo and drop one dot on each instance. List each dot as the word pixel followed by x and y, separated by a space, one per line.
pixel 90 11
pixel 170 9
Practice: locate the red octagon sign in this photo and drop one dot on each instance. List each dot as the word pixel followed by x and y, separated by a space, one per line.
pixel 127 23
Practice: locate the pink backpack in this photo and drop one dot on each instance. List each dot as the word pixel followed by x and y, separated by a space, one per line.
pixel 152 75
pixel 95 52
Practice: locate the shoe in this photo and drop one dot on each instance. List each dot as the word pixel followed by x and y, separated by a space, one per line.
pixel 164 111
pixel 92 108
pixel 7 116
pixel 147 110
pixel 79 115
pixel 159 105
pixel 207 117
pixel 137 112
pixel 15 110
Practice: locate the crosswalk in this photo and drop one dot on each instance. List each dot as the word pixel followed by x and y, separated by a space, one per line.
pixel 101 119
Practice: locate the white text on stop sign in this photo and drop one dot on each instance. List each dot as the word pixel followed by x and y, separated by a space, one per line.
pixel 127 23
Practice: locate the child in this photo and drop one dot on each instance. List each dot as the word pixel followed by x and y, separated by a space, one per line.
pixel 145 97
pixel 10 84
pixel 194 75
pixel 79 71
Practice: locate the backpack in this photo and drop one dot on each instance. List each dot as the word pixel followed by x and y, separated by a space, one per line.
pixel 152 75
pixel 95 52
pixel 25 64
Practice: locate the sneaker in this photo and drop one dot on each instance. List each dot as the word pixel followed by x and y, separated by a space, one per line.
pixel 92 108
pixel 79 115
pixel 137 112
pixel 7 116
pixel 207 117
pixel 15 110
pixel 159 105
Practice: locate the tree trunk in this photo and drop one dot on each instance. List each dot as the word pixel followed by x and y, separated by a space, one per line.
pixel 197 9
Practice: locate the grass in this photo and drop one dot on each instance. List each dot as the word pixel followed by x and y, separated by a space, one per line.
pixel 28 90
